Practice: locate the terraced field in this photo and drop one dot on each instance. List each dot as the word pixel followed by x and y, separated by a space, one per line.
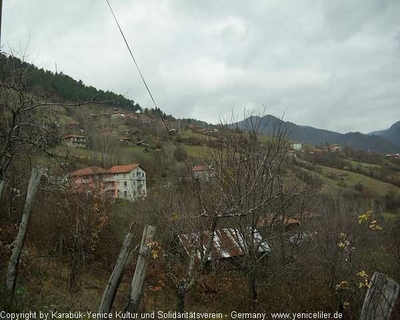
pixel 350 179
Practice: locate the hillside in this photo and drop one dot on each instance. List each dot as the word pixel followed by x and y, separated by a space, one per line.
pixel 59 86
pixel 392 134
pixel 318 137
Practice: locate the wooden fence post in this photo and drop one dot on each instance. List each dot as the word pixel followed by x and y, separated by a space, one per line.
pixel 116 276
pixel 140 271
pixel 23 229
pixel 381 299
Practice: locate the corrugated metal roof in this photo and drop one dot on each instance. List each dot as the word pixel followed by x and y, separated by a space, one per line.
pixel 227 243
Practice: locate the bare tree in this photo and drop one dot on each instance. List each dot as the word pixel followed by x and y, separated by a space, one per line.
pixel 244 187
pixel 248 191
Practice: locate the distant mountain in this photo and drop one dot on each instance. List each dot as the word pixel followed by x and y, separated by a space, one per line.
pixel 318 137
pixel 392 134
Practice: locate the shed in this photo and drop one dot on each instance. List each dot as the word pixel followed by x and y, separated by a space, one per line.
pixel 227 243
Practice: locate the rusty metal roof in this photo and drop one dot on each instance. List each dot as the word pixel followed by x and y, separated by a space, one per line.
pixel 227 243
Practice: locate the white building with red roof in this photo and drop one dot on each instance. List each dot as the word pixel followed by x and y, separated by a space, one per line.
pixel 128 181
pixel 120 182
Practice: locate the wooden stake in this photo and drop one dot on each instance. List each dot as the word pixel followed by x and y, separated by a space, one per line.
pixel 116 276
pixel 381 298
pixel 140 271
pixel 23 229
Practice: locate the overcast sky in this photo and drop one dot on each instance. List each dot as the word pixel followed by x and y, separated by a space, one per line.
pixel 329 64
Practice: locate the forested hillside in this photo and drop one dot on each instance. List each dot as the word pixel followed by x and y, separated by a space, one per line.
pixel 59 86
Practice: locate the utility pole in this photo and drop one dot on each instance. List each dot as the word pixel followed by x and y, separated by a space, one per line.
pixel 1 14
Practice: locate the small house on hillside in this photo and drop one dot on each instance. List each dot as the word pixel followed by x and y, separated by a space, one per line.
pixel 226 243
pixel 124 140
pixel 334 147
pixel 203 172
pixel 74 140
pixel 296 146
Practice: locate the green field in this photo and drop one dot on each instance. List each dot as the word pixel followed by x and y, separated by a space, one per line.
pixel 364 165
pixel 350 179
pixel 199 152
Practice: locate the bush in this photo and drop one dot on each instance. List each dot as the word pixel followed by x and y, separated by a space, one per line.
pixel 359 187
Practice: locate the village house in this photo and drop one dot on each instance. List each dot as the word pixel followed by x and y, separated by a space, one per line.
pixel 296 146
pixel 124 140
pixel 118 116
pixel 74 140
pixel 334 147
pixel 129 181
pixel 88 175
pixel 203 172
pixel 119 182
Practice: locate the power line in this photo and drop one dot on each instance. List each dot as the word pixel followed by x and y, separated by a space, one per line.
pixel 1 14
pixel 133 57
pixel 152 98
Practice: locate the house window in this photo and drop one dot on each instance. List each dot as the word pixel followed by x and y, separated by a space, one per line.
pixel 125 183
pixel 125 194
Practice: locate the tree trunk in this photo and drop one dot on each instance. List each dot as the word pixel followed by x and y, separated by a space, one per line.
pixel 180 293
pixel 381 299
pixel 252 289
pixel 23 228
pixel 116 276
pixel 140 271
pixel 2 189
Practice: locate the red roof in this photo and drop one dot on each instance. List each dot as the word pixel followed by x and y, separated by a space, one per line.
pixel 200 168
pixel 124 168
pixel 88 171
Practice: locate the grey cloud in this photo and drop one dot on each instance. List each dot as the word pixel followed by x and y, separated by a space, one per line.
pixel 330 64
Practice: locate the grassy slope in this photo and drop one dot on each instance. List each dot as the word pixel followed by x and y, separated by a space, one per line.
pixel 350 179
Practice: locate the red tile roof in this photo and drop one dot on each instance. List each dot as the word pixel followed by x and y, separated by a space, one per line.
pixel 124 168
pixel 88 171
pixel 200 168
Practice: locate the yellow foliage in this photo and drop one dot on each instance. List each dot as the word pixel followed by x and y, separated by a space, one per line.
pixel 364 217
pixel 342 285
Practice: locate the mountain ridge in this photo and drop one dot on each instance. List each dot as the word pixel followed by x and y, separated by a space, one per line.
pixel 315 136
pixel 392 134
